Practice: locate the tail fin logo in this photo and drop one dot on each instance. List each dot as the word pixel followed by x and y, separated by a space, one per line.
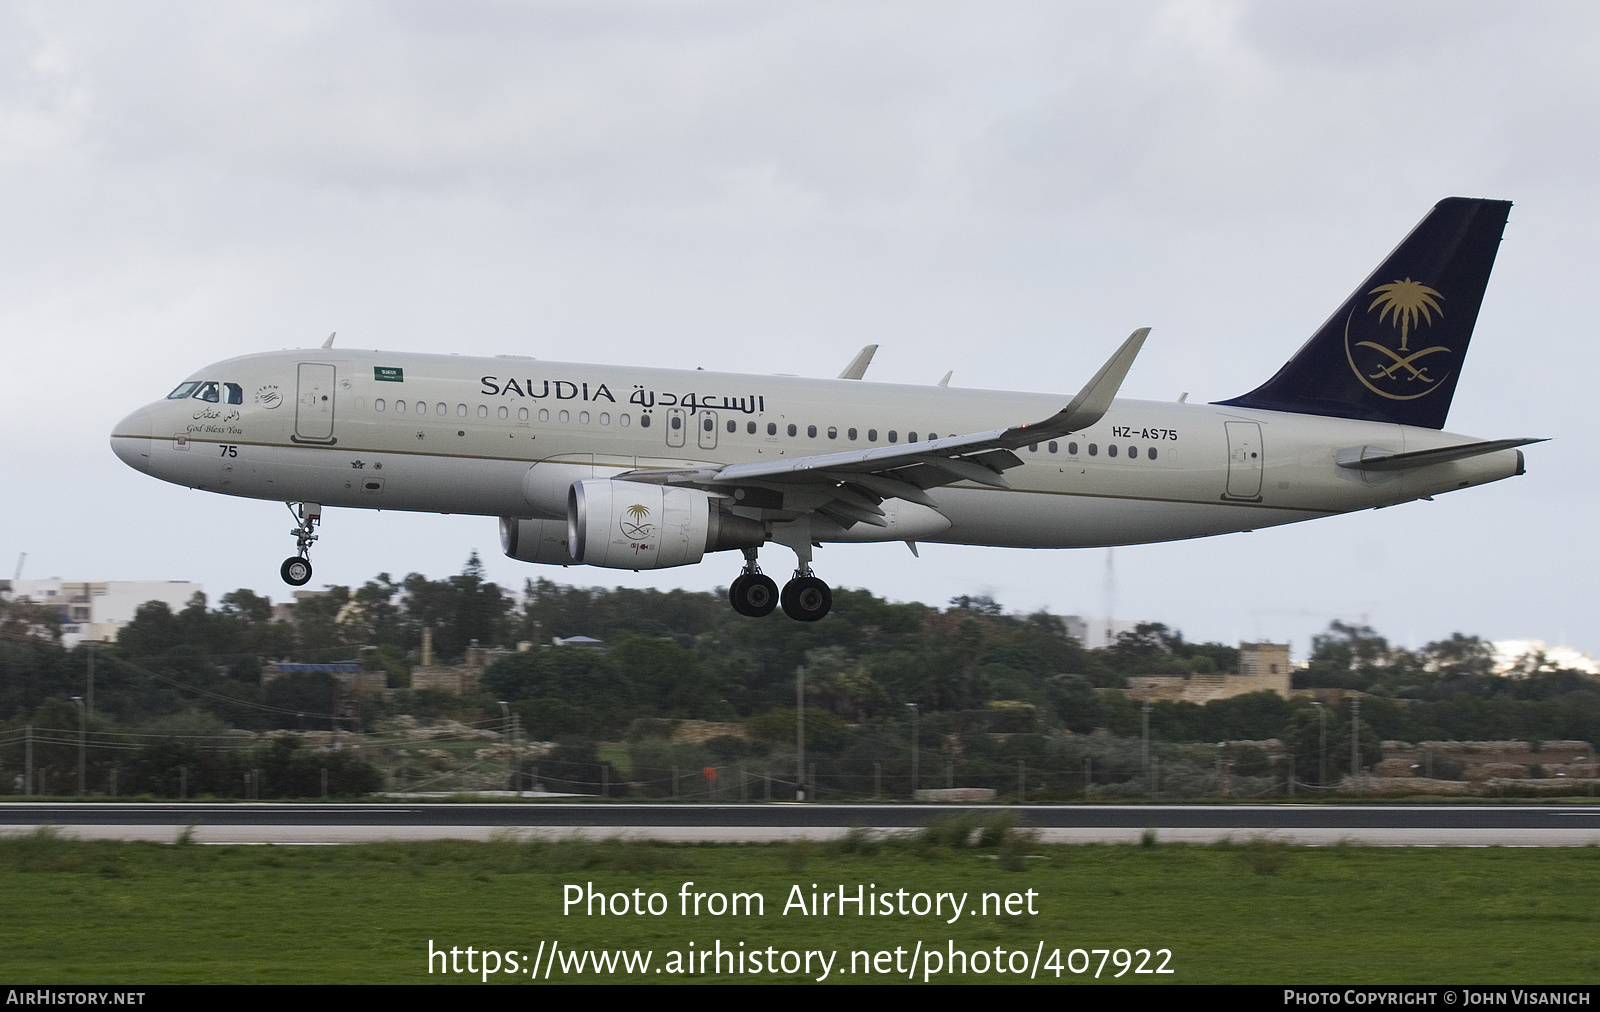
pixel 1395 372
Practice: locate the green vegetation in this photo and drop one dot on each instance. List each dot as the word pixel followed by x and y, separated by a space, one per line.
pixel 1251 912
pixel 1006 702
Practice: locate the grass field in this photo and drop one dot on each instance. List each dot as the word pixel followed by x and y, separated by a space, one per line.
pixel 98 912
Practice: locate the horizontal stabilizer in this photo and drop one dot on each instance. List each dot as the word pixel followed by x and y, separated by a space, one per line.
pixel 1372 458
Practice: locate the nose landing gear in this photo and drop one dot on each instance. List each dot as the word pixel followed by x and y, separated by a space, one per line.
pixel 296 569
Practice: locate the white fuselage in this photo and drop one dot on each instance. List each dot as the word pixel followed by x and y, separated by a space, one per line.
pixel 507 436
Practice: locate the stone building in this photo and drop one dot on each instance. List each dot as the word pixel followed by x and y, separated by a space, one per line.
pixel 1263 667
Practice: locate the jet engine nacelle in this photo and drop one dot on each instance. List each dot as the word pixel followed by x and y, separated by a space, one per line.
pixel 631 525
pixel 542 541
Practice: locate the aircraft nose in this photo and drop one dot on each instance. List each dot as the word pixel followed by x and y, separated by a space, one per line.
pixel 130 440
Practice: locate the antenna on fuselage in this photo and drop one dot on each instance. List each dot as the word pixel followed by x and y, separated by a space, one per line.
pixel 329 342
pixel 21 558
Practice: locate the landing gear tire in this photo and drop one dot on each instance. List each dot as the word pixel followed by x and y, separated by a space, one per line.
pixel 753 594
pixel 296 572
pixel 806 599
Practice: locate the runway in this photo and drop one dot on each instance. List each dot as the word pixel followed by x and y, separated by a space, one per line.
pixel 1313 825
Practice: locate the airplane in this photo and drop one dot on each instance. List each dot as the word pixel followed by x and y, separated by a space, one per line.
pixel 625 467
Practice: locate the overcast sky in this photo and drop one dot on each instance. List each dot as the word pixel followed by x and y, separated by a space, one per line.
pixel 1002 189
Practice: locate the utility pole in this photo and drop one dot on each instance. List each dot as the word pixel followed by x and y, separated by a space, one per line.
pixel 916 711
pixel 1355 741
pixel 1144 749
pixel 1322 753
pixel 505 726
pixel 89 645
pixel 27 760
pixel 800 733
pixel 83 735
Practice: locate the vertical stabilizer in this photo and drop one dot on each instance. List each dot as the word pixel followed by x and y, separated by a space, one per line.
pixel 1393 351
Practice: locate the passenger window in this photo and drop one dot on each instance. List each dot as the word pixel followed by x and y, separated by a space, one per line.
pixel 1072 449
pixel 183 390
pixel 792 430
pixel 872 435
pixel 851 435
pixel 644 421
pixel 1093 449
pixel 235 393
pixel 772 428
pixel 675 422
pixel 1033 447
pixel 483 411
pixel 605 418
pixel 1151 453
pixel 709 424
pixel 442 408
pixel 504 412
pixel 623 420
pixel 911 437
pixel 1111 451
pixel 1052 446
pixel 894 437
pixel 522 415
pixel 566 416
pixel 399 407
pixel 377 405
pixel 1133 453
pixel 733 426
pixel 811 430
pixel 583 418
pixel 833 433
pixel 544 414
pixel 422 407
pixel 750 427
pixel 461 411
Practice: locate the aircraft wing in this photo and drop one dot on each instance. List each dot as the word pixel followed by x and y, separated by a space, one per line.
pixel 848 486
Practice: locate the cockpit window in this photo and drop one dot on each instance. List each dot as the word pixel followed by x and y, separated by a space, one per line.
pixel 208 392
pixel 183 390
pixel 235 393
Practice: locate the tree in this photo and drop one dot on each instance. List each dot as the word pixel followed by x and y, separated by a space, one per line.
pixel 1075 703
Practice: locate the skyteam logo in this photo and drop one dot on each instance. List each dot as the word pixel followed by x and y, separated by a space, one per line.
pixel 1391 368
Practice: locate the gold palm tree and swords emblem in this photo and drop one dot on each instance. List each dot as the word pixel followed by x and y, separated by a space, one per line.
pixel 1406 304
pixel 633 522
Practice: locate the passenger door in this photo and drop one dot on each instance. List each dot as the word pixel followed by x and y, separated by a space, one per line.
pixel 313 410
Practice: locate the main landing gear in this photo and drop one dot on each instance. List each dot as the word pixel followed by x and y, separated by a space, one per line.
pixel 296 569
pixel 804 598
pixel 753 593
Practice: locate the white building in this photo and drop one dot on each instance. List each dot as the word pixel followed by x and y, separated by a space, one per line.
pixel 98 609
pixel 1099 633
pixel 1520 657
